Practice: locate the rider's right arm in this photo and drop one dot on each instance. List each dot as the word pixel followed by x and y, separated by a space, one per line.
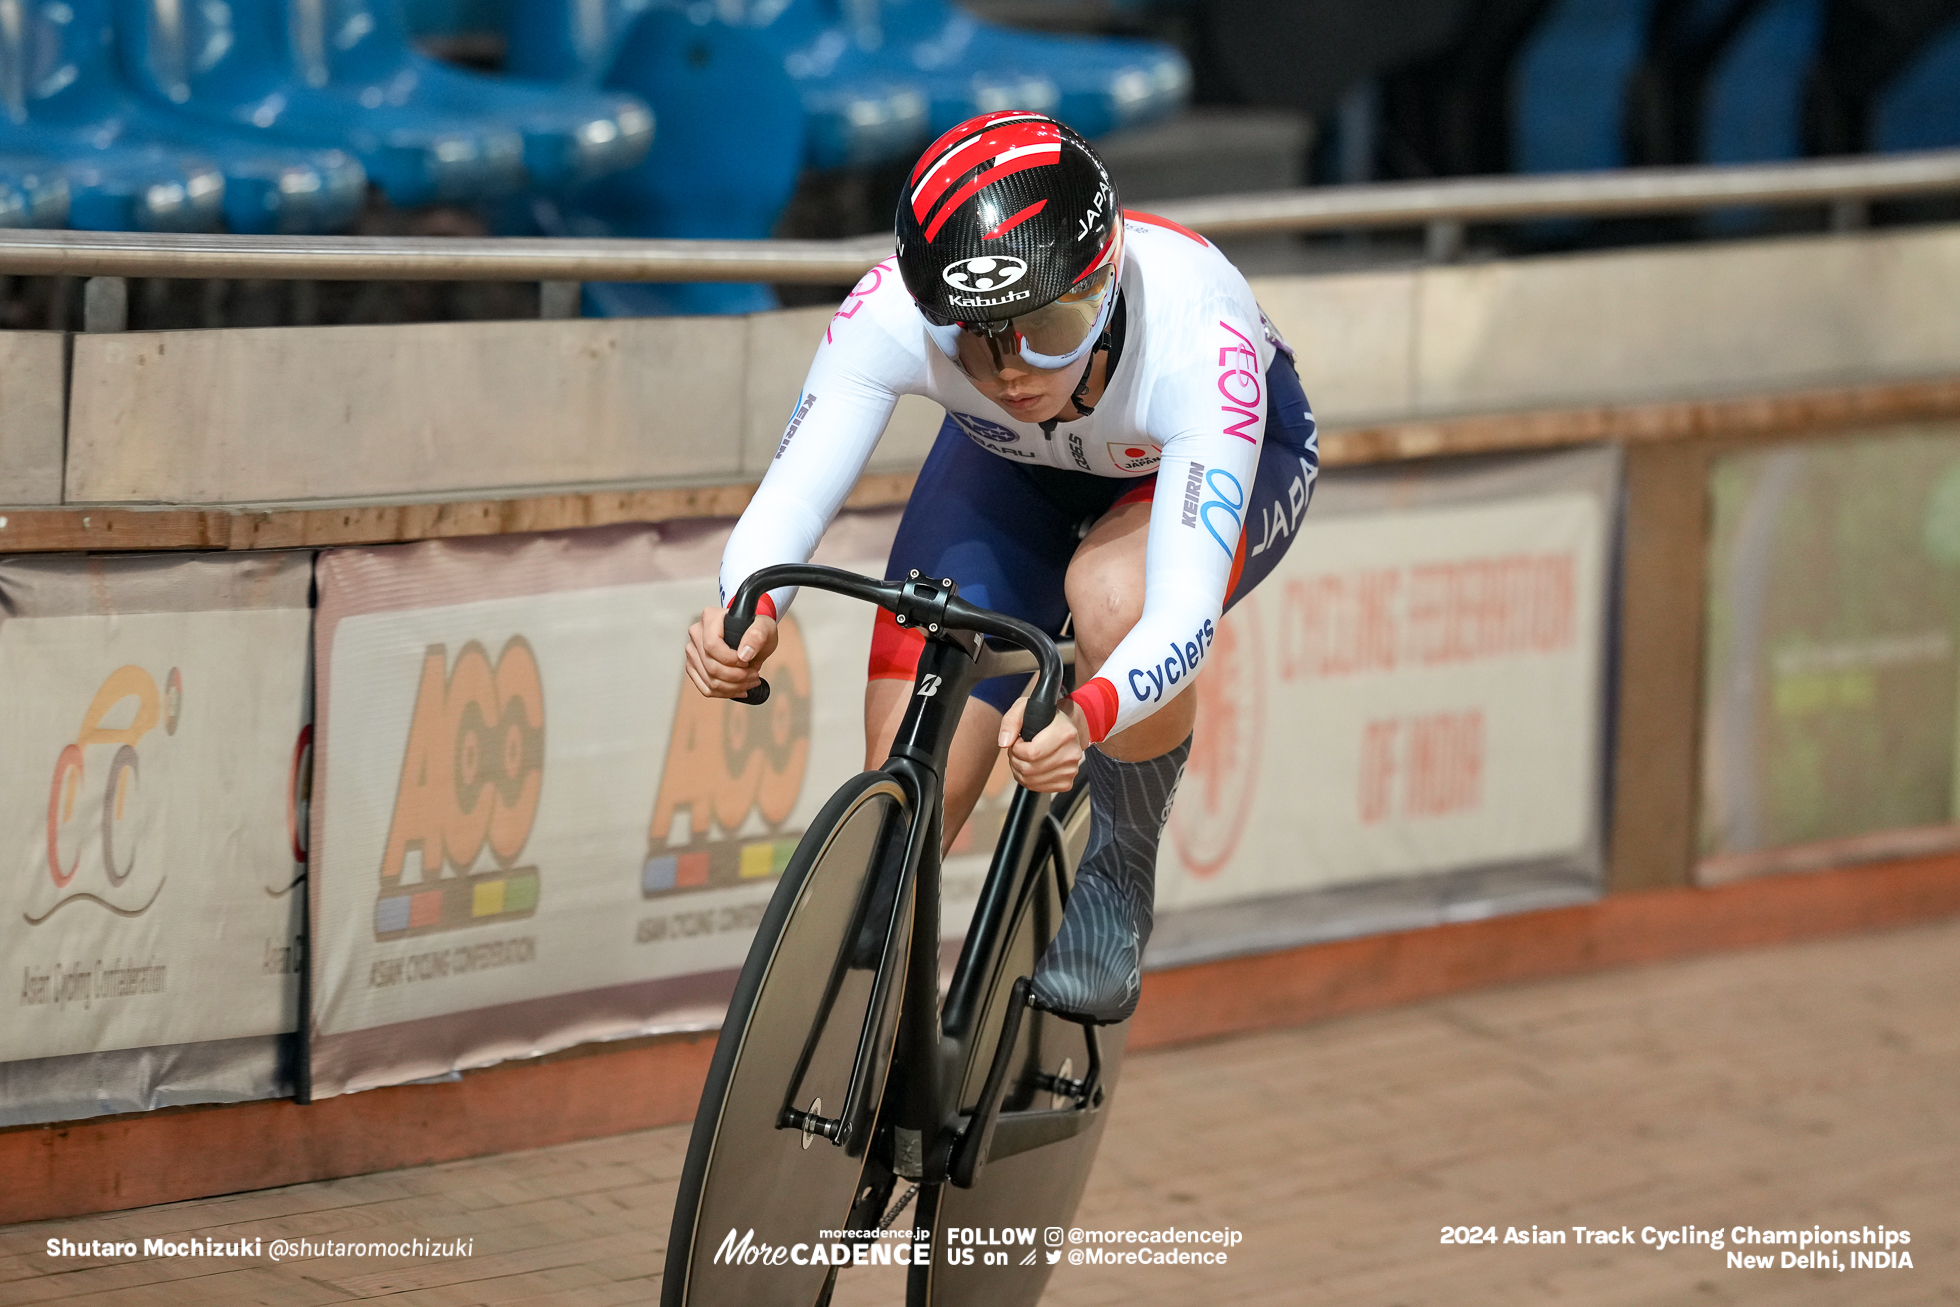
pixel 860 369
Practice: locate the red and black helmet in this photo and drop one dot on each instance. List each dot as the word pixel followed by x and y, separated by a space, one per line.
pixel 1007 214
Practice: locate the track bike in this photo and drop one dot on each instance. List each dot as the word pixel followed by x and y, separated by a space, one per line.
pixel 841 1068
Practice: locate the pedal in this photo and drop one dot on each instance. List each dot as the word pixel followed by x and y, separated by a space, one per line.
pixel 1086 1092
pixel 812 1125
pixel 1062 1087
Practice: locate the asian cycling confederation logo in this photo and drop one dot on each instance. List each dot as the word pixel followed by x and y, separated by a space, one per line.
pixel 96 808
pixel 992 433
pixel 985 272
pixel 731 780
pixel 1216 795
pixel 471 777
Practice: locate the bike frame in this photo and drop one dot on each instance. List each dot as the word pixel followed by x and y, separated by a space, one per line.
pixel 932 1140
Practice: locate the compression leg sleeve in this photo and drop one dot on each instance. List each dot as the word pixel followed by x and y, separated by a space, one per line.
pixel 1093 970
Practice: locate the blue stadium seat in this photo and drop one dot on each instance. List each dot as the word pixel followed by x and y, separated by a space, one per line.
pixel 79 90
pixel 857 109
pixel 1752 106
pixel 570 135
pixel 1569 86
pixel 1094 84
pixel 124 188
pixel 1920 110
pixel 723 165
pixel 110 187
pixel 33 193
pixel 568 41
pixel 236 66
pixel 456 17
pixel 962 68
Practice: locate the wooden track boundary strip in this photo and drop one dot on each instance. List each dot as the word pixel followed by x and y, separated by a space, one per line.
pixel 113 1163
pixel 27 530
pixel 1741 418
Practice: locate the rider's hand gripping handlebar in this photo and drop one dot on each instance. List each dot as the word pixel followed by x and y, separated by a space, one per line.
pixel 930 606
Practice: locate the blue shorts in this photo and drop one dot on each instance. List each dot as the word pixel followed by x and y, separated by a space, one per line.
pixel 1006 531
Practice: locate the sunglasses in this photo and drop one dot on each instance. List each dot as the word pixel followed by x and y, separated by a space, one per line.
pixel 1052 337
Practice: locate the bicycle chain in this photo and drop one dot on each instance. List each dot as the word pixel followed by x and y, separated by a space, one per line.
pixel 898 1208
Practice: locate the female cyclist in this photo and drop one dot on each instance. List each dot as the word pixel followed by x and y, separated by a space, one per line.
pixel 1118 410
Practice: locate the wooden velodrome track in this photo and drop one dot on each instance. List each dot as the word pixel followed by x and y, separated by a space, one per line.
pixel 1807 1084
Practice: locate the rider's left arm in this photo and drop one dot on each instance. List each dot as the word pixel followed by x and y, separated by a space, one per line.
pixel 1204 482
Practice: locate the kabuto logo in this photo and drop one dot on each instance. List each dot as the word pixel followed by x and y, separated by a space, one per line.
pixel 984 274
pixel 992 433
pixel 96 810
pixel 731 781
pixel 471 777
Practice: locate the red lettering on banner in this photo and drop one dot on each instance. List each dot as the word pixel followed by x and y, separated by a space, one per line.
pixel 1445 766
pixel 1439 757
pixel 1491 608
pixel 1333 625
pixel 1377 769
pixel 1433 614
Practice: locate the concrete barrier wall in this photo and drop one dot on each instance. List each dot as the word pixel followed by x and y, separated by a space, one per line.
pixel 338 412
pixel 442 409
pixel 1683 322
pixel 33 396
pixel 333 413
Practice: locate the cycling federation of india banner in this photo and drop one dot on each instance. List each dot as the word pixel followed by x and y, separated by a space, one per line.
pixel 1405 723
pixel 156 749
pixel 529 830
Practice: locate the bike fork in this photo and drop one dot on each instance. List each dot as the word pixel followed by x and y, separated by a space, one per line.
pixel 913 1093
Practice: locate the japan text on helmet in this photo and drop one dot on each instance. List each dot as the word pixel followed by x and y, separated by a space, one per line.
pixel 1009 228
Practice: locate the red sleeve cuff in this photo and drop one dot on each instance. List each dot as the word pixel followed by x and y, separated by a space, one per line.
pixel 1098 703
pixel 765 608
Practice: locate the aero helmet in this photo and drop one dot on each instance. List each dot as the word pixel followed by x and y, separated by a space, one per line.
pixel 1009 230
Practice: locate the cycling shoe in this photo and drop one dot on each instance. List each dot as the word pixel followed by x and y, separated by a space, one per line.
pixel 1093 971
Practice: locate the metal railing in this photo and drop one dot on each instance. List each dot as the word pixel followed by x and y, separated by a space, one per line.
pixel 1443 208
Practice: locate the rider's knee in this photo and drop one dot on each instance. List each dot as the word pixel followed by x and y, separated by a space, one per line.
pixel 1105 599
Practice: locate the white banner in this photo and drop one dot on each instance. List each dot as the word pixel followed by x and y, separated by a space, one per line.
pixel 149 802
pixel 528 815
pixel 1416 690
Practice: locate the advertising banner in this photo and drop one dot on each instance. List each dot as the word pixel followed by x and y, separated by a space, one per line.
pixel 1404 724
pixel 1829 681
pixel 530 831
pixel 152 799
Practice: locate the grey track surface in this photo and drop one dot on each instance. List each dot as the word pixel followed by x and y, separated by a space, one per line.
pixel 1812 1084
